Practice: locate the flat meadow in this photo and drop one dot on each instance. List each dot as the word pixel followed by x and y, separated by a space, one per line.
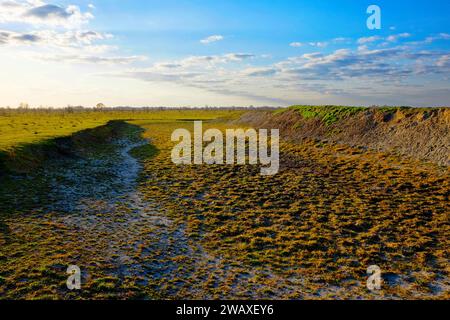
pixel 34 125
pixel 141 227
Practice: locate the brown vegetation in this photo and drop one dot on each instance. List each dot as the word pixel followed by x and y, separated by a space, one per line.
pixel 420 133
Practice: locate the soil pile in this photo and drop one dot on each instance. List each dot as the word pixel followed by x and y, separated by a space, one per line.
pixel 420 133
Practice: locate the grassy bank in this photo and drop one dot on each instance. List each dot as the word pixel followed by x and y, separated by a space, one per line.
pixel 332 114
pixel 328 114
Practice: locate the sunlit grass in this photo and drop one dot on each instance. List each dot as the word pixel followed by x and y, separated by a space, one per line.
pixel 29 126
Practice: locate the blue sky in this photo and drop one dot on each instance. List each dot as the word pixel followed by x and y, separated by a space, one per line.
pixel 196 53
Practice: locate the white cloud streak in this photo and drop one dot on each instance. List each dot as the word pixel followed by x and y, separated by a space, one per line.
pixel 91 59
pixel 441 36
pixel 296 44
pixel 396 37
pixel 211 39
pixel 365 40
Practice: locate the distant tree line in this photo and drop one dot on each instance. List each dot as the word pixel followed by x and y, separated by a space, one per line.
pixel 25 108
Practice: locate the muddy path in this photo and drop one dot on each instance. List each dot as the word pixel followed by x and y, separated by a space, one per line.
pixel 97 198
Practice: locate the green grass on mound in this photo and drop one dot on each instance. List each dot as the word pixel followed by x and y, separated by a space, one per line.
pixel 328 114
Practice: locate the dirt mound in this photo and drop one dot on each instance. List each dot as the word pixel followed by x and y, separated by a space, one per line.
pixel 420 133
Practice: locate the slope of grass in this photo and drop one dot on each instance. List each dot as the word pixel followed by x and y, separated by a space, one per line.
pixel 331 114
pixel 328 114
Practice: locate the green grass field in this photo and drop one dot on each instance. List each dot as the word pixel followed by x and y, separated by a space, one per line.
pixel 29 126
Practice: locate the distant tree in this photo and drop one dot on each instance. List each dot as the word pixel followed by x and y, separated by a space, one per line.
pixel 100 106
pixel 24 105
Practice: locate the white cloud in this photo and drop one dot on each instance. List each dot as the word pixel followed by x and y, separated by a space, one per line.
pixel 65 40
pixel 370 65
pixel 15 38
pixel 327 74
pixel 389 39
pixel 259 72
pixel 296 44
pixel 321 44
pixel 312 44
pixel 194 68
pixel 396 37
pixel 365 40
pixel 87 59
pixel 57 40
pixel 444 61
pixel 65 47
pixel 318 44
pixel 342 40
pixel 215 59
pixel 212 39
pixel 441 36
pixel 219 74
pixel 238 56
pixel 39 13
pixel 312 56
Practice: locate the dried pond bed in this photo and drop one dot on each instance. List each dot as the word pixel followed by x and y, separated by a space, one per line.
pixel 147 229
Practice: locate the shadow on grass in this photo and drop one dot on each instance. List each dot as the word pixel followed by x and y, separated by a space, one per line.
pixel 4 230
pixel 25 189
pixel 144 152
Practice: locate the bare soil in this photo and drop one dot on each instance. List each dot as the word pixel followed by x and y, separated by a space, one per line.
pixel 420 134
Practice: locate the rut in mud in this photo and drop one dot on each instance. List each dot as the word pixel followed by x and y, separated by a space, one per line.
pixel 97 198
